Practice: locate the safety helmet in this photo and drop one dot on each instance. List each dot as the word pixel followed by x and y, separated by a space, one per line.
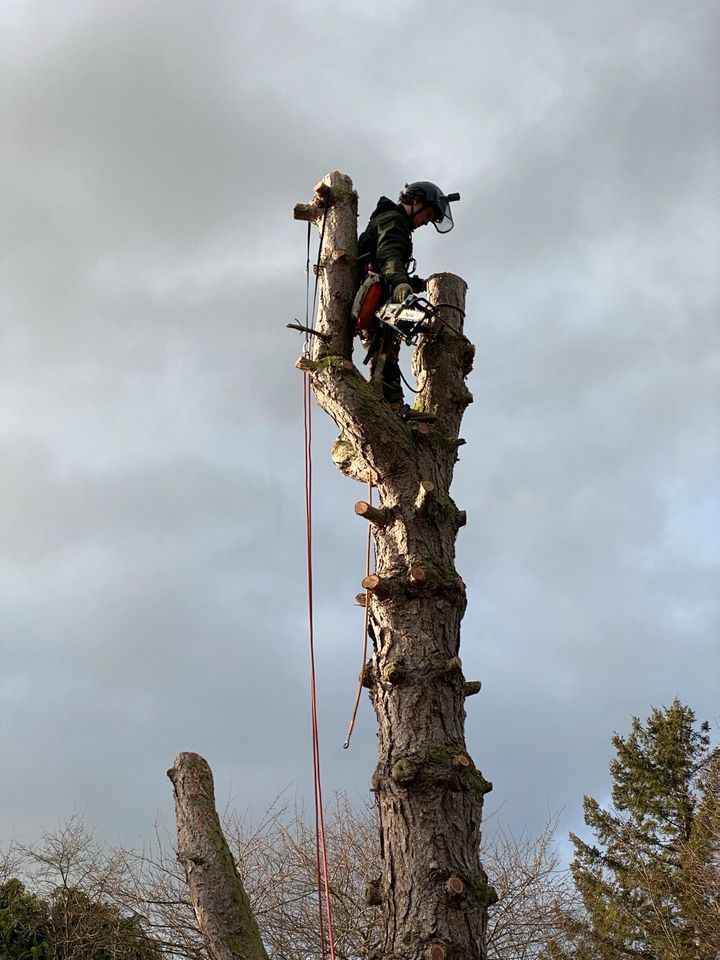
pixel 435 198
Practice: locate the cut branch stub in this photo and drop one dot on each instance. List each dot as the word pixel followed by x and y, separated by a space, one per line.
pixel 379 586
pixel 453 665
pixel 427 488
pixel 394 671
pixel 455 886
pixel 376 515
pixel 373 896
pixel 349 460
pixel 367 677
pixel 310 212
pixel 306 364
pixel 311 366
pixel 404 771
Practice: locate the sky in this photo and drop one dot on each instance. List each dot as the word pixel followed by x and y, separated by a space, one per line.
pixel 152 584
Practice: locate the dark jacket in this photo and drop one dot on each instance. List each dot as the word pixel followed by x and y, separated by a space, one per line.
pixel 385 244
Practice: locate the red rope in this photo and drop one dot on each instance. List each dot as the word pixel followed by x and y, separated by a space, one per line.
pixel 320 835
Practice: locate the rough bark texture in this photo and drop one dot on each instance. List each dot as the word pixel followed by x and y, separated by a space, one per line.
pixel 334 210
pixel 429 792
pixel 219 900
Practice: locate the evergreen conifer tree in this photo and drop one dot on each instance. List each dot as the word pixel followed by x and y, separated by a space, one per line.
pixel 651 878
pixel 24 923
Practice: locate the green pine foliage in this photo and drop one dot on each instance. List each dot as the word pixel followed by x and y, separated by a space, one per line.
pixel 85 929
pixel 70 926
pixel 23 923
pixel 650 879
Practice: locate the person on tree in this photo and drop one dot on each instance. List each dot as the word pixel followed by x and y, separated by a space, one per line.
pixel 385 251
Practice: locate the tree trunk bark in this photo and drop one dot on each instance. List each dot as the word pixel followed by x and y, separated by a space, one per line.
pixel 429 792
pixel 219 900
pixel 334 210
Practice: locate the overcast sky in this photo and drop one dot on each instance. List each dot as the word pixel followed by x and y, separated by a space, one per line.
pixel 152 594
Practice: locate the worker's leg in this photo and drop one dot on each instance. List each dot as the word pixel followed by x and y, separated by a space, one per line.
pixel 385 367
pixel 391 382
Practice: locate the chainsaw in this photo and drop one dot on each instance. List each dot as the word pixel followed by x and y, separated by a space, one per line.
pixel 409 319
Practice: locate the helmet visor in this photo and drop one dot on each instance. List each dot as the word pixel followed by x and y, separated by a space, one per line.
pixel 442 219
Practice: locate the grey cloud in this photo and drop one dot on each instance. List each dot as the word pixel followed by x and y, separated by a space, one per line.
pixel 151 517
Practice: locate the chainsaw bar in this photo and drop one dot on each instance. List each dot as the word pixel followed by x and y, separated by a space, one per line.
pixel 409 319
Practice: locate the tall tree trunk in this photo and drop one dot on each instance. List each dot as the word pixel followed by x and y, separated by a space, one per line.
pixel 429 792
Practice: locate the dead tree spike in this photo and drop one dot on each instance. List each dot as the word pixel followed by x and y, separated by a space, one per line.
pixel 334 210
pixel 221 906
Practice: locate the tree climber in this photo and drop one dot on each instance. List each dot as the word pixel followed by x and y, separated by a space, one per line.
pixel 385 257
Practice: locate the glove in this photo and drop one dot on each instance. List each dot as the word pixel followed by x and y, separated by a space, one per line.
pixel 401 291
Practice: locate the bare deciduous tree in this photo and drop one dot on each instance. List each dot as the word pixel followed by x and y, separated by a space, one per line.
pixel 534 892
pixel 276 858
pixel 79 880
